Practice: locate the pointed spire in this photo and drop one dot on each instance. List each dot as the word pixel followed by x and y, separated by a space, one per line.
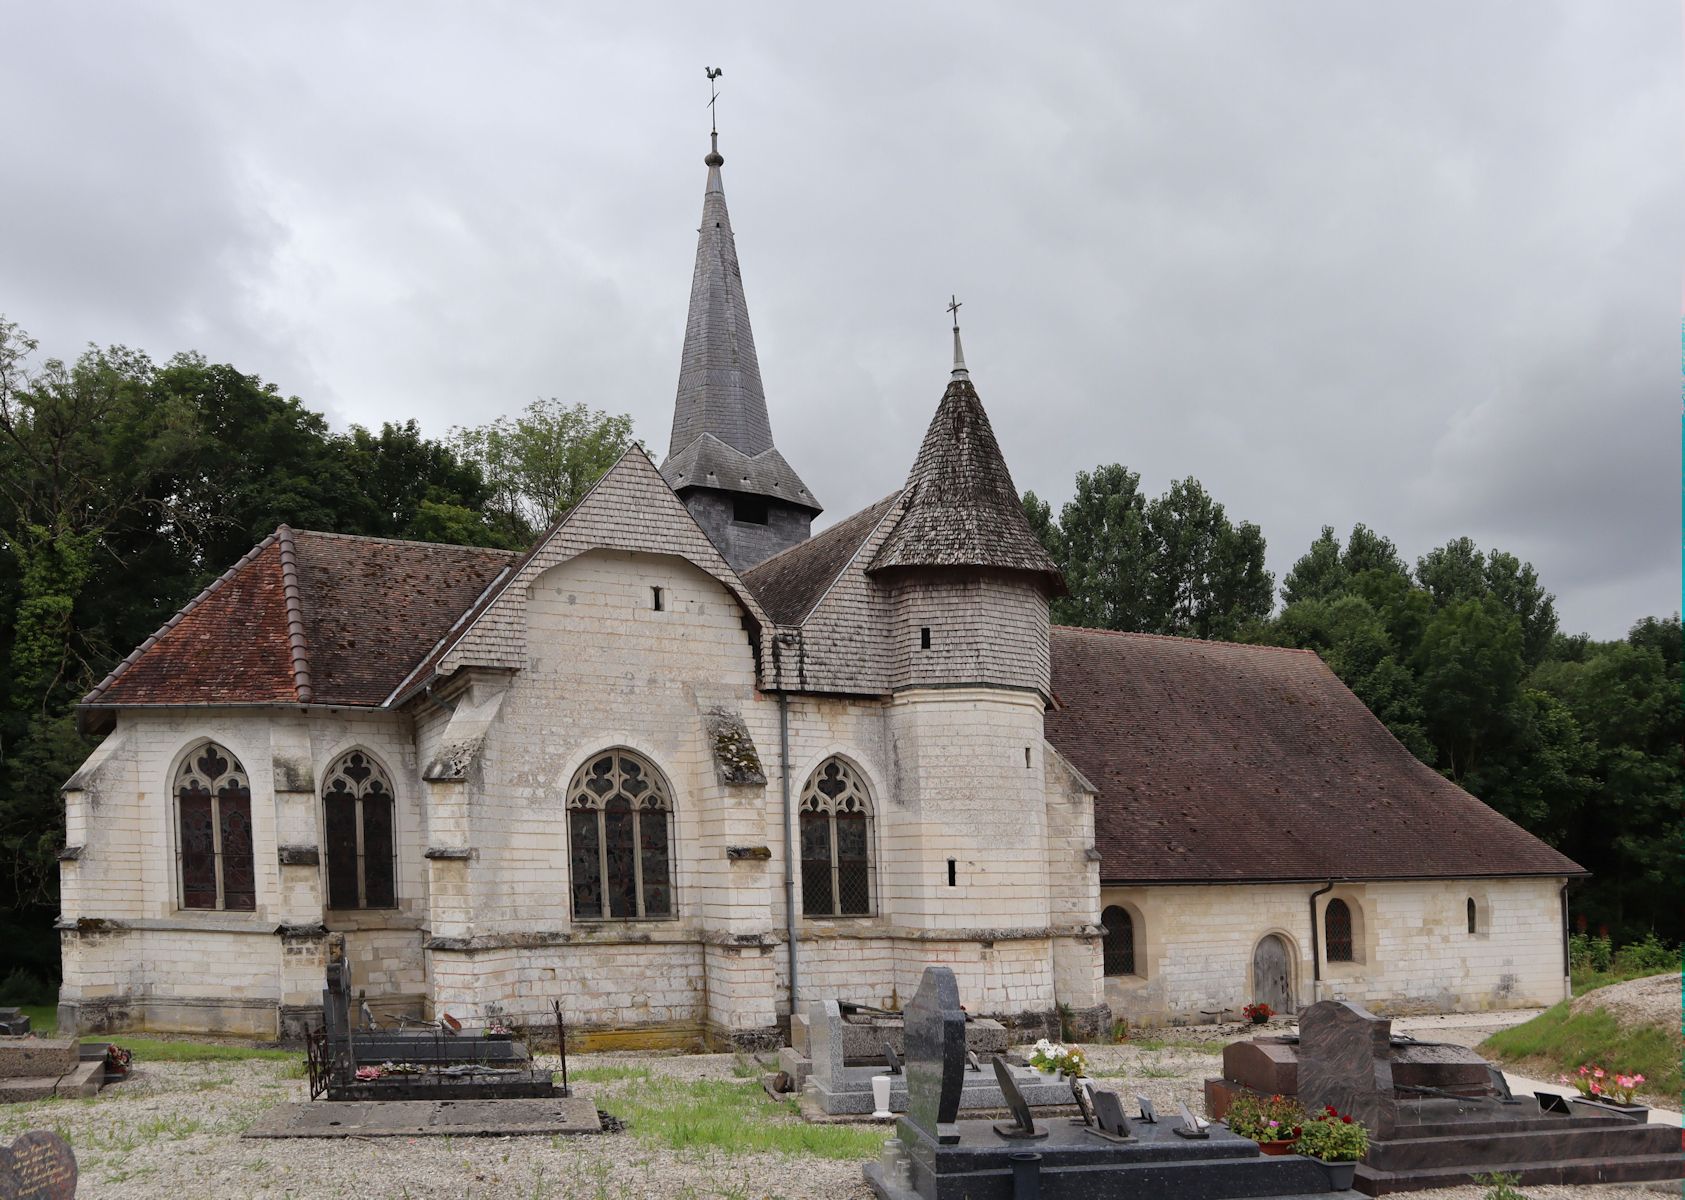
pixel 959 371
pixel 962 508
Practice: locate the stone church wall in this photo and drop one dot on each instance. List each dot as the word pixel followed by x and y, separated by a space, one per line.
pixel 1194 947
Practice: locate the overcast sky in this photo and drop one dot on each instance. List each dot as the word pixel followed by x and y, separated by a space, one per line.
pixel 1415 265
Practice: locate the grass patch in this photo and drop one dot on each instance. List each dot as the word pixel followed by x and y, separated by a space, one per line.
pixel 609 1074
pixel 1587 980
pixel 148 1050
pixel 1559 1040
pixel 735 1118
pixel 43 1018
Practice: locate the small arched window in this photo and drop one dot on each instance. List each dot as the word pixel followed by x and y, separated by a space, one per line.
pixel 1474 917
pixel 1337 926
pixel 836 835
pixel 358 815
pixel 214 815
pixel 618 808
pixel 1119 946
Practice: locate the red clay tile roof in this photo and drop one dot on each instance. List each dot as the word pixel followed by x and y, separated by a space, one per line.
pixel 1217 761
pixel 305 618
pixel 791 582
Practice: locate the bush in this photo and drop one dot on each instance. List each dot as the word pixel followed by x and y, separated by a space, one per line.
pixel 22 986
pixel 1647 957
pixel 1265 1118
pixel 1334 1136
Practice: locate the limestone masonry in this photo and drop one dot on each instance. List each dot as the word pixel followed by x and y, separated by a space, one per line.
pixel 687 769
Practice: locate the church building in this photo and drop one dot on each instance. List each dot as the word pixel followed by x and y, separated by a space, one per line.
pixel 683 763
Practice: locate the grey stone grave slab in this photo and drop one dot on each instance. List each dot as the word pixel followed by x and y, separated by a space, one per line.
pixel 39 1165
pixel 1147 1113
pixel 1109 1116
pixel 428 1118
pixel 1022 1127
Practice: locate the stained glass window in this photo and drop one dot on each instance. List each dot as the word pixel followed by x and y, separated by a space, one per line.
pixel 619 857
pixel 1119 946
pixel 214 816
pixel 1337 923
pixel 836 837
pixel 359 820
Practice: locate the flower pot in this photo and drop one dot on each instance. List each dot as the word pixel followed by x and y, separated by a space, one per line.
pixel 1340 1174
pixel 1280 1146
pixel 1260 1019
pixel 1598 1107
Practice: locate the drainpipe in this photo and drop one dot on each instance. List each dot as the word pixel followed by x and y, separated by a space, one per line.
pixel 789 849
pixel 1567 965
pixel 1316 943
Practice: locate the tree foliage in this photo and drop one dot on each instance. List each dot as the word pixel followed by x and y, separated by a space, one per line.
pixel 1175 564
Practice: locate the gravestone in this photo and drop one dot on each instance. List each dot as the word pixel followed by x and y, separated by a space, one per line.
pixel 1147 1113
pixel 1085 1106
pixel 892 1059
pixel 824 1041
pixel 1345 1059
pixel 936 1055
pixel 14 1022
pixel 1192 1126
pixel 38 1166
pixel 971 1062
pixel 1108 1111
pixel 1022 1127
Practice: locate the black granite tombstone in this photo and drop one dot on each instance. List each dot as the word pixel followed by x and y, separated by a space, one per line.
pixel 1022 1127
pixel 935 1033
pixel 38 1166
pixel 1108 1112
pixel 14 1022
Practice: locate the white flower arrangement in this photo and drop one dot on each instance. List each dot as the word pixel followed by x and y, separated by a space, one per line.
pixel 1051 1056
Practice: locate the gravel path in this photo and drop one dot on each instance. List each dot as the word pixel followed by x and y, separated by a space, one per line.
pixel 172 1133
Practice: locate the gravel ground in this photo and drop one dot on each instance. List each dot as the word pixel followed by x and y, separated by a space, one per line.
pixel 173 1131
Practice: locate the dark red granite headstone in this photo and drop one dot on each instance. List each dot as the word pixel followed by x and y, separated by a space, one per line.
pixel 38 1166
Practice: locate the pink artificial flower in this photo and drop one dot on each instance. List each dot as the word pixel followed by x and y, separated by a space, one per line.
pixel 1563 1079
pixel 1638 1079
pixel 1584 1070
pixel 1598 1073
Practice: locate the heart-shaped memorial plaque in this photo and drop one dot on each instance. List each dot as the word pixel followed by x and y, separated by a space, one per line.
pixel 38 1166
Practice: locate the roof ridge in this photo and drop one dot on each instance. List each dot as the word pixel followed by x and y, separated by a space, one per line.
pixel 393 541
pixel 826 532
pixel 298 643
pixel 1177 637
pixel 889 503
pixel 104 685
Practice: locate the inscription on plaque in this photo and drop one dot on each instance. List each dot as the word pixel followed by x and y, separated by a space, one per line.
pixel 38 1166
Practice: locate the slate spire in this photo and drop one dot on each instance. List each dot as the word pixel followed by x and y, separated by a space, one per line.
pixel 962 509
pixel 721 458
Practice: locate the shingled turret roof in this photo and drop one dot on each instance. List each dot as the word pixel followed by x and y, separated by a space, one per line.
pixel 962 509
pixel 722 436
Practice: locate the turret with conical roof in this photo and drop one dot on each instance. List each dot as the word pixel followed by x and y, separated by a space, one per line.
pixel 968 579
pixel 721 459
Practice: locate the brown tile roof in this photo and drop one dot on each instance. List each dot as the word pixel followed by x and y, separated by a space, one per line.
pixel 962 508
pixel 791 582
pixel 1217 761
pixel 305 618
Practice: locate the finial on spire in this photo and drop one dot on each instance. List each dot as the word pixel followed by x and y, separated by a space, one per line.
pixel 714 158
pixel 959 354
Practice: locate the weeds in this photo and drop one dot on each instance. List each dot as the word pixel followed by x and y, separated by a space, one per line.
pixel 610 1074
pixel 734 1118
pixel 1500 1185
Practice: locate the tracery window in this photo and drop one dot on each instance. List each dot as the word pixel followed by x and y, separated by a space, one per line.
pixel 836 836
pixel 1337 926
pixel 1119 946
pixel 620 864
pixel 358 815
pixel 214 815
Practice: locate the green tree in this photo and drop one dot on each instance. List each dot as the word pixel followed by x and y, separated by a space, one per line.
pixel 541 463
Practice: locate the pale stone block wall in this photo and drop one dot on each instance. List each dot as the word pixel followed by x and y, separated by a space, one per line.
pixel 1194 945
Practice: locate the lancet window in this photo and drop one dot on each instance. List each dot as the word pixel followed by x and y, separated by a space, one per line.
pixel 836 839
pixel 1337 925
pixel 359 818
pixel 618 822
pixel 214 821
pixel 1119 946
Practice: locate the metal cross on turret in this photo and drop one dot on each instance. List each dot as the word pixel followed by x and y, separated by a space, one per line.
pixel 959 354
pixel 713 95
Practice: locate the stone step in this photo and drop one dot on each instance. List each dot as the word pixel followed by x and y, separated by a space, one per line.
pixel 85 1080
pixel 1637 1168
pixel 1481 1150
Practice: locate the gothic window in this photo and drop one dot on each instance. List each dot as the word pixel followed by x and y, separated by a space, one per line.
pixel 619 861
pixel 836 836
pixel 1474 919
pixel 214 811
pixel 359 817
pixel 1119 946
pixel 1337 926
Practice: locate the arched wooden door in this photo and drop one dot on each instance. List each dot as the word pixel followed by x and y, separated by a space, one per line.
pixel 1272 975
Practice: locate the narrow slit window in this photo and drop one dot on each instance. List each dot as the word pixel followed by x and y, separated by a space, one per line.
pixel 1474 917
pixel 1026 757
pixel 953 873
pixel 657 599
pixel 924 638
pixel 1337 925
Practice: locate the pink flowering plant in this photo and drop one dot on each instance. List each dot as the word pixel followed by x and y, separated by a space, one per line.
pixel 1593 1082
pixel 1334 1136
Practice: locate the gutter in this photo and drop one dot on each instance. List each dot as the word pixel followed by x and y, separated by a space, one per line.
pixel 789 849
pixel 1567 965
pixel 1316 942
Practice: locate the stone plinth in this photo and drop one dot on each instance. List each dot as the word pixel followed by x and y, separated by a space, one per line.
pixel 1269 1065
pixel 32 1057
pixel 851 1092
